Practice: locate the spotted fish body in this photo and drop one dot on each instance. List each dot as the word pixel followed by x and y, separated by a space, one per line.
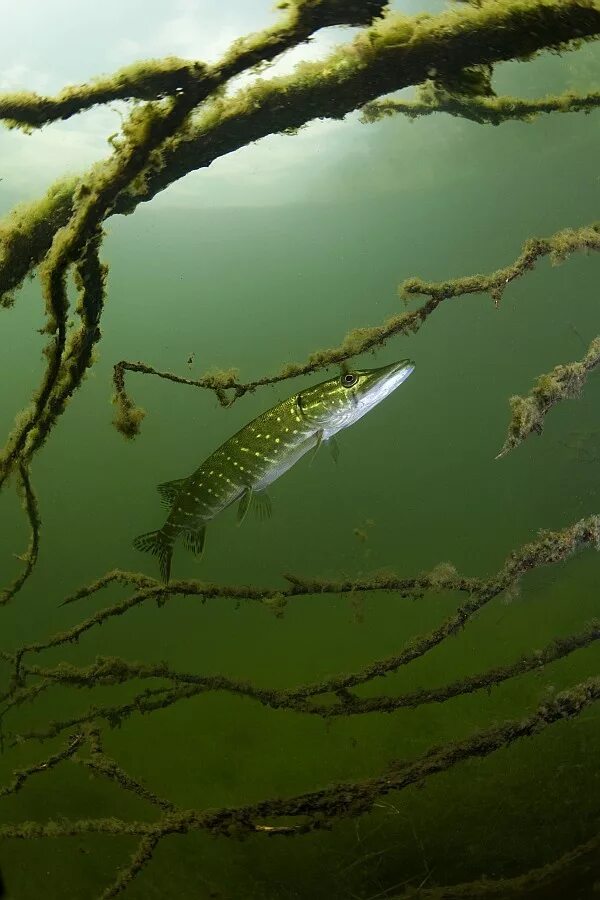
pixel 246 464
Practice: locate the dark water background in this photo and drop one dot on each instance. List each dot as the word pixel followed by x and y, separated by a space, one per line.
pixel 256 286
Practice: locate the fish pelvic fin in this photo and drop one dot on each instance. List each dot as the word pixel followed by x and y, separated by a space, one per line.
pixel 157 543
pixel 194 540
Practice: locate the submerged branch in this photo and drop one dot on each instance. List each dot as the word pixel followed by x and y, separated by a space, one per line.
pixel 562 383
pixel 21 776
pixel 69 354
pixel 549 548
pixel 148 80
pixel 112 671
pixel 315 809
pixel 103 765
pixel 396 52
pixel 29 558
pixel 228 388
pixel 485 110
pixel 187 123
pixel 520 886
pixel 156 79
pixel 95 196
pixel 558 247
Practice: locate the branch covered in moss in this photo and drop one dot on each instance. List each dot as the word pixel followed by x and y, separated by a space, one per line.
pixel 101 764
pixel 29 558
pixel 157 79
pixel 397 52
pixel 520 886
pixel 21 776
pixel 559 246
pixel 148 80
pixel 484 110
pixel 549 548
pixel 69 354
pixel 562 383
pixel 95 195
pixel 26 235
pixel 228 388
pixel 315 809
pixel 111 671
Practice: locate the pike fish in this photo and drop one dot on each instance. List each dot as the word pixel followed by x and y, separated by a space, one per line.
pixel 245 465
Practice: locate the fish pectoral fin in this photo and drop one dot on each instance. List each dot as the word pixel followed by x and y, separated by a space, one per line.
pixel 168 490
pixel 260 501
pixel 319 440
pixel 334 448
pixel 262 505
pixel 244 505
pixel 193 540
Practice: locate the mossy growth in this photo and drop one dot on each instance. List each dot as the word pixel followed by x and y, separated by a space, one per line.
pixel 128 417
pixel 563 382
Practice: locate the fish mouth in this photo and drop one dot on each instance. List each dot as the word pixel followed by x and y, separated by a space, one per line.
pixel 398 372
pixel 386 379
pixel 408 365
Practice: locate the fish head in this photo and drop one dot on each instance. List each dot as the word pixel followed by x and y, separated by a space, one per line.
pixel 338 403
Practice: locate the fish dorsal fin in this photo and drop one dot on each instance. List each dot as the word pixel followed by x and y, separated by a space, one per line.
pixel 168 490
pixel 193 540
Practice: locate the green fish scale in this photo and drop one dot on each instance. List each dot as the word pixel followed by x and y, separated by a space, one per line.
pixel 253 458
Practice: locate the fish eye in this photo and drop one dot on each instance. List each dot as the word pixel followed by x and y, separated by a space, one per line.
pixel 348 379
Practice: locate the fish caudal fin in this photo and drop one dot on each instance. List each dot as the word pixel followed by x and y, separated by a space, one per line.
pixel 159 545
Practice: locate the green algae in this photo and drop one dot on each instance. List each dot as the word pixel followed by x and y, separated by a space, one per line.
pixel 187 123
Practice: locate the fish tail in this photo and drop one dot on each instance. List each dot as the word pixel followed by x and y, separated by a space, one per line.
pixel 157 543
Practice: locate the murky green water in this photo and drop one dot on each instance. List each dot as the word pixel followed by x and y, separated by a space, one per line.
pixel 253 286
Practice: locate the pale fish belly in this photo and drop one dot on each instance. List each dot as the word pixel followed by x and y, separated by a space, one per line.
pixel 288 458
pixel 250 460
